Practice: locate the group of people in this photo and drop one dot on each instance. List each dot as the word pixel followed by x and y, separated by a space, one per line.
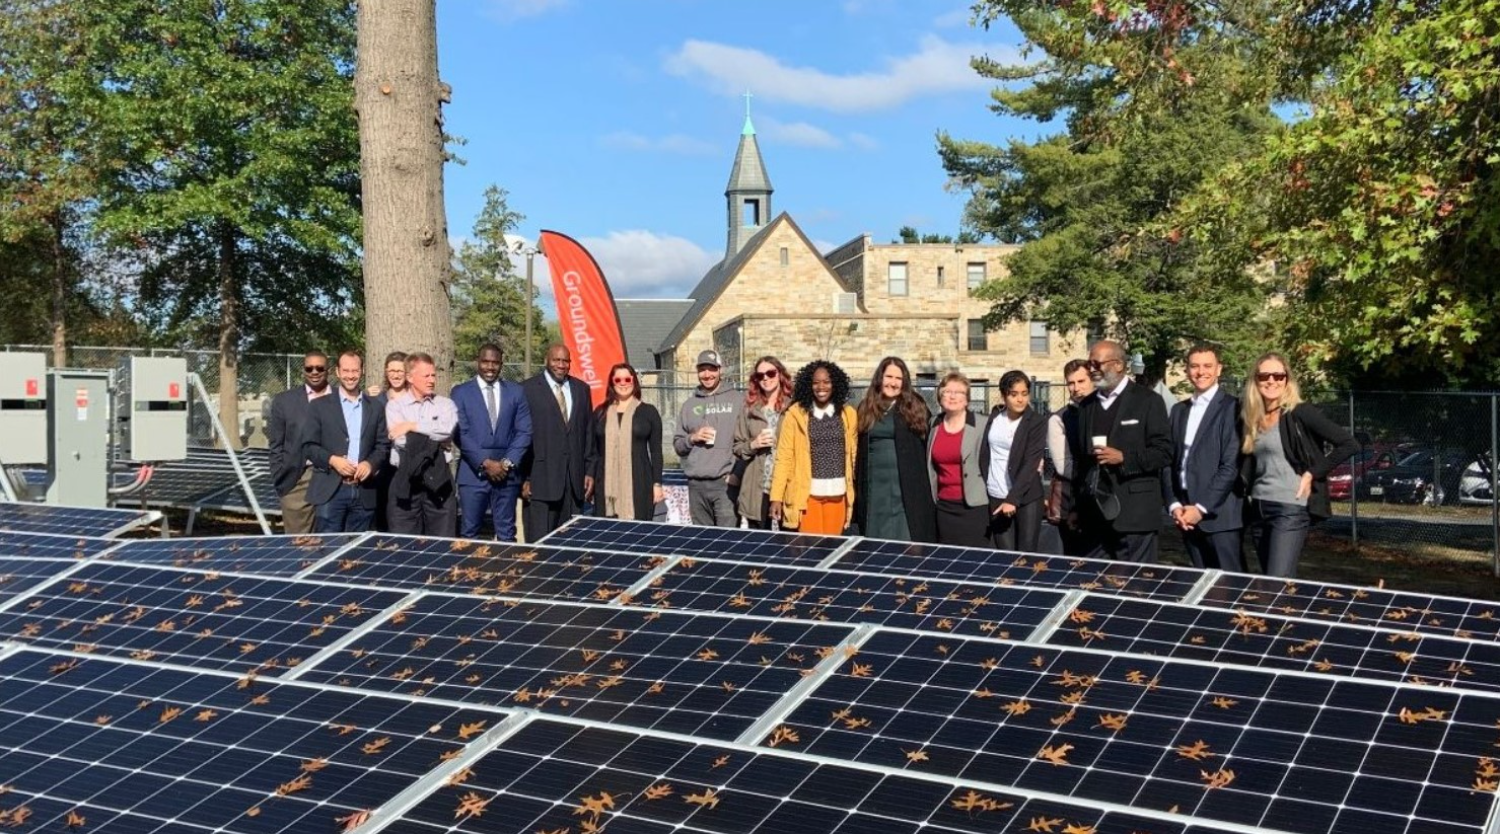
pixel 793 452
pixel 346 459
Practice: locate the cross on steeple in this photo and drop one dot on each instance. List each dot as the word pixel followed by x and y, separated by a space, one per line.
pixel 749 128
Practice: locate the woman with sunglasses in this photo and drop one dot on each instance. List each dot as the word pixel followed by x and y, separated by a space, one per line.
pixel 953 450
pixel 755 438
pixel 1285 466
pixel 812 483
pixel 893 496
pixel 625 446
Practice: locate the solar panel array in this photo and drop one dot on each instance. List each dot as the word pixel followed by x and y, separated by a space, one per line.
pixel 635 677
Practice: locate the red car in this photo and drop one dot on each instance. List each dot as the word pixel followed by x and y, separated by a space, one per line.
pixel 1341 479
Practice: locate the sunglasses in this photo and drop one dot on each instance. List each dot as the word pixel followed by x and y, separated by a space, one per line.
pixel 760 375
pixel 623 380
pixel 1268 376
pixel 1094 365
pixel 315 369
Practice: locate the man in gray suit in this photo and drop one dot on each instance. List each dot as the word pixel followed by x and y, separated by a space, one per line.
pixel 1199 486
pixel 286 432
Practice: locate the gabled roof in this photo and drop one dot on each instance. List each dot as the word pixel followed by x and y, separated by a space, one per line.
pixel 644 321
pixel 722 273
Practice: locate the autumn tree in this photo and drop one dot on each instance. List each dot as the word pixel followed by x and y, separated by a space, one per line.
pixel 399 100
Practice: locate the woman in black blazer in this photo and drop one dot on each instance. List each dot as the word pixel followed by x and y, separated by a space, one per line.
pixel 1285 466
pixel 625 438
pixel 892 496
pixel 1010 459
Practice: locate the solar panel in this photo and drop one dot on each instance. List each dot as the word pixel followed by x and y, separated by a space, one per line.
pixel 690 673
pixel 97 745
pixel 232 498
pixel 699 542
pixel 487 568
pixel 267 555
pixel 1283 751
pixel 1469 619
pixel 975 564
pixel 845 597
pixel 18 574
pixel 72 521
pixel 204 619
pixel 552 776
pixel 14 543
pixel 1270 641
pixel 205 470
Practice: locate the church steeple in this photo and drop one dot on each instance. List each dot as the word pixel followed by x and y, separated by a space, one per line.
pixel 749 191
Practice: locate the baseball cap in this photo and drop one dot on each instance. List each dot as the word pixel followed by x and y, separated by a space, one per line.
pixel 710 357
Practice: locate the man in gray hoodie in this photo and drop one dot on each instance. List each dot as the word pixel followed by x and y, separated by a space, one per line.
pixel 703 440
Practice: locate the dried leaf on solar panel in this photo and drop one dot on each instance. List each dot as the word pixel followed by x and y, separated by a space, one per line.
pixel 1077 696
pixel 1089 635
pixel 468 731
pixel 861 670
pixel 1408 716
pixel 75 820
pixel 1218 779
pixel 658 791
pixel 168 714
pixel 1112 721
pixel 373 747
pixel 65 666
pixel 610 682
pixel 594 805
pixel 1079 828
pixel 1057 755
pixel 1079 615
pixel 708 799
pixel 1484 785
pixel 470 805
pixel 205 715
pixel 1071 680
pixel 721 761
pixel 915 755
pixel 1324 665
pixel 1045 824
pixel 656 688
pixel 1020 707
pixel 1059 720
pixel 707 654
pixel 353 820
pixel 1222 702
pixel 783 735
pixel 142 654
pixel 1197 751
pixel 857 723
pixel 260 700
pixel 1245 623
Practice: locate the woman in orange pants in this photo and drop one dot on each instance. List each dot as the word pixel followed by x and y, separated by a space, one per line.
pixel 812 485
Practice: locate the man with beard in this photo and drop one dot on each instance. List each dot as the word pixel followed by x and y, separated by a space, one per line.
pixel 553 471
pixel 1122 444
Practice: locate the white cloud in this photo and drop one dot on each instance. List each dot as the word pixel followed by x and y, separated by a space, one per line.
pixel 948 20
pixel 637 264
pixel 673 143
pixel 938 66
pixel 800 134
pixel 863 141
pixel 509 10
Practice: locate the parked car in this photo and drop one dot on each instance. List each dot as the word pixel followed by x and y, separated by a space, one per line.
pixel 1343 477
pixel 1476 487
pixel 1422 477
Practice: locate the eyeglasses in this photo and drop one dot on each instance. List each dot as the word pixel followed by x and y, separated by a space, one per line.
pixel 1098 364
pixel 1268 376
pixel 623 380
pixel 956 393
pixel 315 369
pixel 760 375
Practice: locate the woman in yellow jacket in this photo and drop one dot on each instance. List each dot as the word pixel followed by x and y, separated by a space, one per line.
pixel 812 485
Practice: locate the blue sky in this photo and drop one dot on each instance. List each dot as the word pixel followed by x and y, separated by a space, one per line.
pixel 616 122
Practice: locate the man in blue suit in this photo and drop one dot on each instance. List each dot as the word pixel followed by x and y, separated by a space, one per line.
pixel 494 431
pixel 1199 486
pixel 346 441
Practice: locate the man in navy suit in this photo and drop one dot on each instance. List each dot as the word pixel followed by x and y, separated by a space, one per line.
pixel 1199 485
pixel 494 431
pixel 347 443
pixel 554 477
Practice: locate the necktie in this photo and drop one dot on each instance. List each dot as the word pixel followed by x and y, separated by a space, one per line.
pixel 562 403
pixel 491 406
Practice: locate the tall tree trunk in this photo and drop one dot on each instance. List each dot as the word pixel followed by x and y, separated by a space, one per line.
pixel 62 271
pixel 229 339
pixel 407 261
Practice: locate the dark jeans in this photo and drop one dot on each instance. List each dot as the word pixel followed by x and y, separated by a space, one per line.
pixel 710 504
pixel 1279 531
pixel 345 512
pixel 1016 532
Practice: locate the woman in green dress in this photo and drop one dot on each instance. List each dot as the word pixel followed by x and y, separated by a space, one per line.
pixel 892 496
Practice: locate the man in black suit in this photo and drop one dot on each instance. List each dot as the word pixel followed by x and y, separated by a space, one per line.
pixel 1199 485
pixel 346 442
pixel 1122 444
pixel 554 477
pixel 284 430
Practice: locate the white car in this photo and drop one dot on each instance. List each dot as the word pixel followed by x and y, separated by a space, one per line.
pixel 1475 486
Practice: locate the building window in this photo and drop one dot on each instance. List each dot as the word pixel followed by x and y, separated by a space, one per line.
pixel 977 338
pixel 895 276
pixel 1041 338
pixel 940 276
pixel 976 276
pixel 786 256
pixel 750 213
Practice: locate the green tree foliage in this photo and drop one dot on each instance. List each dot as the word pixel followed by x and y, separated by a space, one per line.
pixel 489 297
pixel 908 234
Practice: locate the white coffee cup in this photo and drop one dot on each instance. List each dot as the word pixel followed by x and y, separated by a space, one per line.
pixel 1100 441
pixel 713 434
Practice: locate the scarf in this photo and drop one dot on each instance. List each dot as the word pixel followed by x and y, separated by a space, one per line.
pixel 619 490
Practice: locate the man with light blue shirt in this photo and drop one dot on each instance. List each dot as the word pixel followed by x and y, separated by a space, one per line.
pixel 346 442
pixel 1199 486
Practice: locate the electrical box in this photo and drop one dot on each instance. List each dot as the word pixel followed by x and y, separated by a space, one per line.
pixel 23 408
pixel 154 409
pixel 78 423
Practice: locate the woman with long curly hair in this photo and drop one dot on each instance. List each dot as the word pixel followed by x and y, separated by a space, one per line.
pixel 812 483
pixel 1284 464
pixel 625 445
pixel 890 465
pixel 755 438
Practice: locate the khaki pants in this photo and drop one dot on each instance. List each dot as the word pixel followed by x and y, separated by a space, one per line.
pixel 296 513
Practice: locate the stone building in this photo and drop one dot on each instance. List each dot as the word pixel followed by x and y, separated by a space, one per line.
pixel 775 293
